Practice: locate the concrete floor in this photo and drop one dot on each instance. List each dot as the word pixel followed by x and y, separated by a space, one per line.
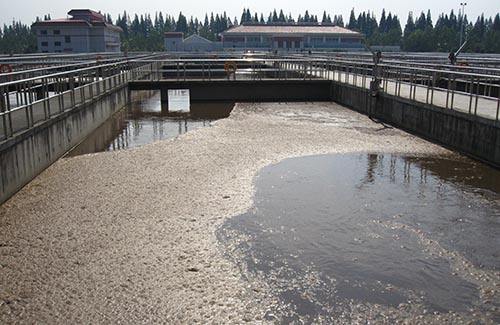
pixel 129 236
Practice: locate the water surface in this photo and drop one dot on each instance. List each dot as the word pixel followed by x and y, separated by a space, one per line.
pixel 328 233
pixel 145 119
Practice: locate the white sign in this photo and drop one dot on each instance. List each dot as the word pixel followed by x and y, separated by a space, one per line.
pixel 178 100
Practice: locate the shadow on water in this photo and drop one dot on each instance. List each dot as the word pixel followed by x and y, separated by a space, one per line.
pixel 143 121
pixel 322 232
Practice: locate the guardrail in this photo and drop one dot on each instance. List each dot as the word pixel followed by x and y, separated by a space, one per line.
pixel 43 69
pixel 368 58
pixel 472 93
pixel 208 69
pixel 25 103
pixel 462 89
pixel 20 63
pixel 471 59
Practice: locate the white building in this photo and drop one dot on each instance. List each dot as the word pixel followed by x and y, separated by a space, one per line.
pixel 291 37
pixel 86 31
pixel 175 42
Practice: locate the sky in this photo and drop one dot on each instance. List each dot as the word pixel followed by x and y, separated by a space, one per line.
pixel 27 10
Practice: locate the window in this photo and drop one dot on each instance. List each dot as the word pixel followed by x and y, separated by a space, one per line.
pixel 43 32
pixel 351 40
pixel 57 43
pixel 253 39
pixel 45 44
pixel 67 39
pixel 57 32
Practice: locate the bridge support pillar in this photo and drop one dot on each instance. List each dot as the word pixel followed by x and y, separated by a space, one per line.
pixel 164 100
pixel 39 93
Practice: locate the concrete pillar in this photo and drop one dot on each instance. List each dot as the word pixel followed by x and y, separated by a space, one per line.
pixel 164 100
pixel 3 104
pixel 39 93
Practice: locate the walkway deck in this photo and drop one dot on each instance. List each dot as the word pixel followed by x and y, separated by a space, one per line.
pixel 486 107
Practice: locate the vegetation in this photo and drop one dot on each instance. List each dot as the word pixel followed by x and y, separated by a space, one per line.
pixel 144 33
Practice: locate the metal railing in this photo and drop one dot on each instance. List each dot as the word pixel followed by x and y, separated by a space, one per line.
pixel 25 103
pixel 22 63
pixel 469 59
pixel 212 69
pixel 37 98
pixel 467 92
pixel 463 89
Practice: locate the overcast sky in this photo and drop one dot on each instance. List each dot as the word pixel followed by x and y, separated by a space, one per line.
pixel 27 10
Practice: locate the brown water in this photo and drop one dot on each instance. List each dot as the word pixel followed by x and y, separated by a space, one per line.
pixel 417 236
pixel 143 121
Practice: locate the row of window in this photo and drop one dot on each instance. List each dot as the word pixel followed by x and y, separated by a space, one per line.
pixel 251 39
pixel 67 39
pixel 55 32
pixel 314 40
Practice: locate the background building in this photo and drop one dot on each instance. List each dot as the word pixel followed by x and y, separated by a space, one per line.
pixel 292 37
pixel 175 42
pixel 86 31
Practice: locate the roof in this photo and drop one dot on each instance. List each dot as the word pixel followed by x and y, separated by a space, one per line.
pixel 196 39
pixel 93 15
pixel 62 21
pixel 80 17
pixel 75 22
pixel 289 29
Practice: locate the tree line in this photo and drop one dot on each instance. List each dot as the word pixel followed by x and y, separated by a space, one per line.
pixel 420 34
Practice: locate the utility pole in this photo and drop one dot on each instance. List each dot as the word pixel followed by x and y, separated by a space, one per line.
pixel 463 4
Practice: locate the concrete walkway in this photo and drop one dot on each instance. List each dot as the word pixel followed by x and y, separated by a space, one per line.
pixel 487 107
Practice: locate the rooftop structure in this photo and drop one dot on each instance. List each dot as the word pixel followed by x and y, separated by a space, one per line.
pixel 291 37
pixel 175 42
pixel 85 31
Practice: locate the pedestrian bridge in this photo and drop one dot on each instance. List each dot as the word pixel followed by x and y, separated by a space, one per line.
pixel 46 107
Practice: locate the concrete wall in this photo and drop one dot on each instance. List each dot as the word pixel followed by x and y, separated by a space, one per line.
pixel 96 39
pixel 78 39
pixel 244 90
pixel 82 39
pixel 173 44
pixel 472 135
pixel 112 40
pixel 102 37
pixel 26 155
